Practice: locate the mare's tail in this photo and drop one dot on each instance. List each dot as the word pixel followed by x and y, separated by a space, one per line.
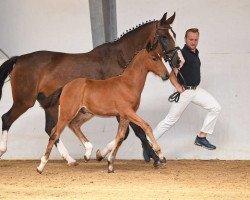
pixel 5 70
pixel 51 100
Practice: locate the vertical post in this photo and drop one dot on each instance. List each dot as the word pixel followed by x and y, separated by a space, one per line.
pixel 103 21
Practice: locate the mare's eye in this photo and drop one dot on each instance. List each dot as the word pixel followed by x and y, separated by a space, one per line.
pixel 155 59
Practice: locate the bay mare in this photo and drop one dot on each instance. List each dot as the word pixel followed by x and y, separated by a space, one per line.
pixel 37 75
pixel 119 96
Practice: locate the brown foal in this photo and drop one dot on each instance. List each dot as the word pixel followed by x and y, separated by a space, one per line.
pixel 82 98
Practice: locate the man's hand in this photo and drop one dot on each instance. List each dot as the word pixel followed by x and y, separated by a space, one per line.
pixel 180 88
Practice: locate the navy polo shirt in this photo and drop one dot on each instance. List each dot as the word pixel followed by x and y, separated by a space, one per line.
pixel 191 68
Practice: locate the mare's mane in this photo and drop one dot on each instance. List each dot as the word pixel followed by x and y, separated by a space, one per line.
pixel 131 31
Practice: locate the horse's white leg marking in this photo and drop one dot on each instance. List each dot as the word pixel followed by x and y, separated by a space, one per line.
pixel 88 147
pixel 42 164
pixel 107 149
pixel 159 153
pixel 3 143
pixel 111 162
pixel 64 153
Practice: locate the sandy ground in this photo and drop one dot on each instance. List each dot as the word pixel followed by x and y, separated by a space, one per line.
pixel 133 179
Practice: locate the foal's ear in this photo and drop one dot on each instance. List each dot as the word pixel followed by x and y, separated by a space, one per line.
pixel 163 19
pixel 154 46
pixel 170 20
pixel 149 47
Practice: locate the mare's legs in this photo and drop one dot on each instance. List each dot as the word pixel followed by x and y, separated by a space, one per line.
pixel 18 108
pixel 51 115
pixel 123 125
pixel 75 126
pixel 24 81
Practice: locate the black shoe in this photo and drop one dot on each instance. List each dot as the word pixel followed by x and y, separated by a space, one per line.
pixel 203 142
pixel 146 156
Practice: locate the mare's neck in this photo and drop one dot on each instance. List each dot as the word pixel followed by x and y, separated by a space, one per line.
pixel 136 40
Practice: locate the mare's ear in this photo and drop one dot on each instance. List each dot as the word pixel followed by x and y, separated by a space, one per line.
pixel 163 19
pixel 170 20
pixel 149 47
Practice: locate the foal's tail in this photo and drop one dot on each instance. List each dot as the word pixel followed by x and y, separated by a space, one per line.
pixel 5 70
pixel 51 100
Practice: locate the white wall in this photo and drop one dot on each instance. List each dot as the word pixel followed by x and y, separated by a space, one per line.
pixel 62 25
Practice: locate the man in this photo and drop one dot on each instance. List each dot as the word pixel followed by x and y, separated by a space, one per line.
pixel 187 84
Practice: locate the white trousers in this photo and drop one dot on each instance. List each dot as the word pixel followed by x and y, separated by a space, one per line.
pixel 199 97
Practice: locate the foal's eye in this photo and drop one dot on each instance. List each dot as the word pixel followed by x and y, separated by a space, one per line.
pixel 155 59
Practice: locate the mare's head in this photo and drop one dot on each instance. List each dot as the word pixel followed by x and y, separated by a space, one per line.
pixel 167 38
pixel 154 62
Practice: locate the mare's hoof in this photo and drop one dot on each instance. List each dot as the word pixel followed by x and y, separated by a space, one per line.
pixel 111 171
pixel 157 164
pixel 86 159
pixel 72 164
pixel 164 160
pixel 99 156
pixel 40 172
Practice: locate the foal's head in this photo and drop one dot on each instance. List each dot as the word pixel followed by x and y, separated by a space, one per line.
pixel 154 62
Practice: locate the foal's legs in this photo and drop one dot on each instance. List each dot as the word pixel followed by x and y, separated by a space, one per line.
pixel 133 117
pixel 55 134
pixel 67 114
pixel 51 115
pixel 75 126
pixel 145 143
pixel 100 154
pixel 123 125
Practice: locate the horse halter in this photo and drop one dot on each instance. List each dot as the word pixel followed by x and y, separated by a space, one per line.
pixel 170 54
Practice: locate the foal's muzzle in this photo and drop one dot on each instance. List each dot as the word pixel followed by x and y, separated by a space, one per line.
pixel 165 76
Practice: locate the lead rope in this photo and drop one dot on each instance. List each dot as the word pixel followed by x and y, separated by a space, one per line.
pixel 176 95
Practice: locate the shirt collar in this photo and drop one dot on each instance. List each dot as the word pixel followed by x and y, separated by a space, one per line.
pixel 187 48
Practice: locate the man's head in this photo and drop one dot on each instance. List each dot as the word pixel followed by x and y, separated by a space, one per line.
pixel 192 38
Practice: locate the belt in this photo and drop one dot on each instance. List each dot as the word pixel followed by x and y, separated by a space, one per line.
pixel 190 87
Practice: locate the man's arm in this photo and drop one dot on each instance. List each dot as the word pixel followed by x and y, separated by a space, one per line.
pixel 174 80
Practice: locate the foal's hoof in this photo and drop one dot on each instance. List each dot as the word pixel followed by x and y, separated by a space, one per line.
pixel 163 160
pixel 39 171
pixel 99 156
pixel 86 159
pixel 2 151
pixel 157 164
pixel 72 164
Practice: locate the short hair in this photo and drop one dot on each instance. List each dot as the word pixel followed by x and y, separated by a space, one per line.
pixel 193 30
